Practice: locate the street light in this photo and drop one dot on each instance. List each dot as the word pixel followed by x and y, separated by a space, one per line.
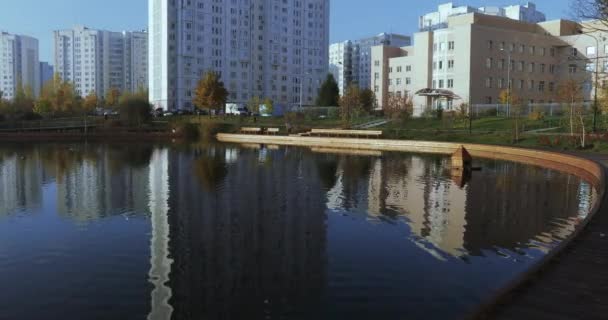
pixel 508 80
pixel 597 65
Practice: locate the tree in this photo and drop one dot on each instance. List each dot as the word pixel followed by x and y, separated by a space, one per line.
pixel 515 104
pixel 43 106
pixel 596 10
pixel 569 92
pixel 112 99
pixel 254 104
pixel 368 100
pixel 210 93
pixel 350 105
pixel 329 93
pixel 90 102
pixel 399 107
pixel 135 111
pixel 268 106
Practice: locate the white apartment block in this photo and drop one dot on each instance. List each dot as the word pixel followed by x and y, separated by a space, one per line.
pixel 350 61
pixel 478 56
pixel 265 48
pixel 19 64
pixel 99 60
pixel 438 19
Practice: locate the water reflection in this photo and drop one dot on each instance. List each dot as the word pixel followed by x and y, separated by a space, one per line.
pixel 291 233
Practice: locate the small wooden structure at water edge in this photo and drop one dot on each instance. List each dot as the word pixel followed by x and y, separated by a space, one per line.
pixel 461 159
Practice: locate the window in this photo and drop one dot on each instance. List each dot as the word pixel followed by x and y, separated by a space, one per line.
pixel 590 67
pixel 408 81
pixel 552 68
pixel 522 48
pixel 501 83
pixel 551 86
pixel 376 75
pixel 408 68
pixel 542 67
pixel 450 83
pixel 451 45
pixel 450 64
pixel 390 82
pixel 552 52
pixel 489 62
pixel 572 68
pixel 376 89
pixel 541 86
pixel 530 84
pixel 591 51
pixel 377 63
pixel 440 84
pixel 399 69
pixel 521 84
pixel 398 80
pixel 489 100
pixel 490 44
pixel 502 45
pixel 531 67
pixel 390 69
pixel 543 51
pixel 573 52
pixel 501 65
pixel 440 65
pixel 442 46
pixel 520 66
pixel 489 82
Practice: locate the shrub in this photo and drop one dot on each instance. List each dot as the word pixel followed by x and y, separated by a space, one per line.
pixel 188 131
pixel 536 116
pixel 135 111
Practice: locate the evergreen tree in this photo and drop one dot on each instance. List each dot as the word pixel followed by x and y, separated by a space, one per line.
pixel 329 93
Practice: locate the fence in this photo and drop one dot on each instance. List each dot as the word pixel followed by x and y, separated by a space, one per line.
pixel 504 110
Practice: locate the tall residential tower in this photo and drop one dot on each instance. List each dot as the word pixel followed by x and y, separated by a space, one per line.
pixel 98 60
pixel 19 64
pixel 264 48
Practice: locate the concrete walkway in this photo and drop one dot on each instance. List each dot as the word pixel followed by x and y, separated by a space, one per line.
pixel 573 286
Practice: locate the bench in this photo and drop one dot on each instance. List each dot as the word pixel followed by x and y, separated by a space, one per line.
pixel 272 131
pixel 251 130
pixel 346 133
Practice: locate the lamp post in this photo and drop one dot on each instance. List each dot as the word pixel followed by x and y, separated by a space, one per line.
pixel 596 80
pixel 508 80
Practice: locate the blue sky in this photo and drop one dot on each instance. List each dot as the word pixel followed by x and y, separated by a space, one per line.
pixel 350 19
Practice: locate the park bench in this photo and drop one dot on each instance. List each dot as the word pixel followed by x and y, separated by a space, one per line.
pixel 247 130
pixel 272 131
pixel 346 133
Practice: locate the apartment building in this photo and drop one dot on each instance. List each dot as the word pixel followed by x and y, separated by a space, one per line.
pixel 99 60
pixel 350 61
pixel 269 49
pixel 19 64
pixel 477 56
pixel 439 19
pixel 46 72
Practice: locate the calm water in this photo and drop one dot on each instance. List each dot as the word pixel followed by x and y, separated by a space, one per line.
pixel 93 231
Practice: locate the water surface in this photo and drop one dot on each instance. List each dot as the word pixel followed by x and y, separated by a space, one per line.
pixel 123 231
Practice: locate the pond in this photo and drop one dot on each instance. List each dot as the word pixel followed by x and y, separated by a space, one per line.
pixel 217 231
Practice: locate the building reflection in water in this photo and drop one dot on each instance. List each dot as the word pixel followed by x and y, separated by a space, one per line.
pixel 505 206
pixel 21 180
pixel 249 242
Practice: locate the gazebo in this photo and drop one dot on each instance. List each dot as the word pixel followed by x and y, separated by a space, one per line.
pixel 435 96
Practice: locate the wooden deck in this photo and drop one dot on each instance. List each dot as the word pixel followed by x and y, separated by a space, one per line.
pixel 572 286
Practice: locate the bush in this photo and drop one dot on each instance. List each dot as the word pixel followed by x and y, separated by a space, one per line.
pixel 536 116
pixel 135 111
pixel 333 113
pixel 188 131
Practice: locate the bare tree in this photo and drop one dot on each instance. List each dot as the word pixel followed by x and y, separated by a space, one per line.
pixel 399 107
pixel 592 10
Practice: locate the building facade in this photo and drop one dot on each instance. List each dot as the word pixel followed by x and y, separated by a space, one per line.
pixel 439 19
pixel 350 61
pixel 99 60
pixel 19 64
pixel 46 72
pixel 477 56
pixel 262 48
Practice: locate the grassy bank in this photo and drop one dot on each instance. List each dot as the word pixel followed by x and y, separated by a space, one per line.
pixel 551 133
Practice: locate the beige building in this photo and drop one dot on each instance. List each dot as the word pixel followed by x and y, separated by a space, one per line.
pixel 477 55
